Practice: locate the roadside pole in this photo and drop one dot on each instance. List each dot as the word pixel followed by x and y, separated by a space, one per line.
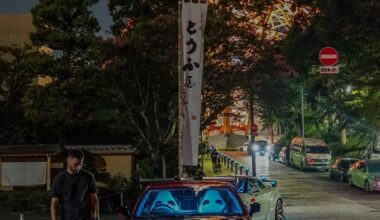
pixel 252 151
pixel 180 88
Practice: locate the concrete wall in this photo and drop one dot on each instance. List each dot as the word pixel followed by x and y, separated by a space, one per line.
pixel 232 141
pixel 15 29
pixel 115 164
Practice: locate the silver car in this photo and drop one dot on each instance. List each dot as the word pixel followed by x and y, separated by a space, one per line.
pixel 264 192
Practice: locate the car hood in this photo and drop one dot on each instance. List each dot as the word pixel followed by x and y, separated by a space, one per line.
pixel 319 156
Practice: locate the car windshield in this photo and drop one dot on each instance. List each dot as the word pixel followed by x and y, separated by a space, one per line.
pixel 244 185
pixel 317 149
pixel 188 202
pixel 261 143
pixel 347 163
pixel 373 167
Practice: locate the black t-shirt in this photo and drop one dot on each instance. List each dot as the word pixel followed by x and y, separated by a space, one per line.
pixel 73 192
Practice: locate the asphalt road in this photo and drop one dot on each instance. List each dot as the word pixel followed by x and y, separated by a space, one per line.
pixel 313 195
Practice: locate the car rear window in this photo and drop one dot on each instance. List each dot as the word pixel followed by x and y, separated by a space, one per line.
pixel 373 167
pixel 347 163
pixel 189 202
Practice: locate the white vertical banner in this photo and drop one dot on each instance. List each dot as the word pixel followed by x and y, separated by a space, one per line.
pixel 193 19
pixel 23 173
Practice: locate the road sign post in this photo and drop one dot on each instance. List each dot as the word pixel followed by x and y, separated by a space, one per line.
pixel 253 129
pixel 328 57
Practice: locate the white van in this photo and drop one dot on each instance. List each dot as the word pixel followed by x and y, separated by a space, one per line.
pixel 309 153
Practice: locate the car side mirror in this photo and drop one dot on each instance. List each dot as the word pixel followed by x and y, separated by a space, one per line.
pixel 123 211
pixel 274 183
pixel 254 189
pixel 254 208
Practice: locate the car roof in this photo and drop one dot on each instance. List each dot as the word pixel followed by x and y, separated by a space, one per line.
pixel 348 159
pixel 373 161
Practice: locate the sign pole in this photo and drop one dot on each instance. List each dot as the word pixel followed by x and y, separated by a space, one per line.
pixel 253 152
pixel 180 88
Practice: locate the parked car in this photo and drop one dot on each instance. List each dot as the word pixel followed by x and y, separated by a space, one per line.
pixel 365 174
pixel 263 191
pixel 340 167
pixel 308 153
pixel 243 147
pixel 283 156
pixel 190 199
pixel 277 147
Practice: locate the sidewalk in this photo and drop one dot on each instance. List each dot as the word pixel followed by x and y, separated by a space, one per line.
pixel 208 170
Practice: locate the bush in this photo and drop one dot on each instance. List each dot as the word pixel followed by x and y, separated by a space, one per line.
pixel 26 200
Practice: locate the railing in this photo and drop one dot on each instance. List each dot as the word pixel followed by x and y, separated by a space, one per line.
pixel 233 165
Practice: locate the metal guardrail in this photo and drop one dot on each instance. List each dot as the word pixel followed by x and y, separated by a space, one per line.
pixel 234 165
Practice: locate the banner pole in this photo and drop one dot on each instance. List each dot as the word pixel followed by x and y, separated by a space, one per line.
pixel 180 88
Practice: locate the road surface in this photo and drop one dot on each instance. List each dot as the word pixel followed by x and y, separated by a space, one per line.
pixel 313 195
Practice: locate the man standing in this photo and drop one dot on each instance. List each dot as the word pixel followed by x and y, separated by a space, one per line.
pixel 74 190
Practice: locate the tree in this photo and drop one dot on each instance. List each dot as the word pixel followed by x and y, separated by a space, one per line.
pixel 72 106
pixel 345 102
pixel 18 69
pixel 67 27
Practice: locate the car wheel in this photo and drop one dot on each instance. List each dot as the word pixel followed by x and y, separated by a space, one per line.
pixel 302 167
pixel 279 210
pixel 350 181
pixel 341 179
pixel 367 187
pixel 331 175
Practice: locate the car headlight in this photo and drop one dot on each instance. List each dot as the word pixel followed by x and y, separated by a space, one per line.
pixel 255 147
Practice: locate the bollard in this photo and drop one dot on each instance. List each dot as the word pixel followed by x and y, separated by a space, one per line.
pixel 21 216
pixel 236 168
pixel 225 160
pixel 228 162
pixel 246 171
pixel 232 165
pixel 241 169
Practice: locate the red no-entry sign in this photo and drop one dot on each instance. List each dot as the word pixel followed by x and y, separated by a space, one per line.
pixel 328 56
pixel 254 128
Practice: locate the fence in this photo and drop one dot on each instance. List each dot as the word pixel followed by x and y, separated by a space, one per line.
pixel 233 165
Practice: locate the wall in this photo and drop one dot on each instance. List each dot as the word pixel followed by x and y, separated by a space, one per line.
pixel 15 29
pixel 115 164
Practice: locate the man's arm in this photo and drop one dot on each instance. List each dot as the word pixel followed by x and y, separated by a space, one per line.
pixel 94 206
pixel 54 208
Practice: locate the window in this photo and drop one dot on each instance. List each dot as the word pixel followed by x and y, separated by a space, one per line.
pixel 317 149
pixel 189 201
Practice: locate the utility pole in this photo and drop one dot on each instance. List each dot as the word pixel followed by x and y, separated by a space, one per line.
pixel 180 90
pixel 251 150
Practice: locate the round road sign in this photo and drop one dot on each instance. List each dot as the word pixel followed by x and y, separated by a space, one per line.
pixel 254 128
pixel 328 56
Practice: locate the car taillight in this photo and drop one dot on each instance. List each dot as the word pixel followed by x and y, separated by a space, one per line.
pixel 310 160
pixel 252 200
